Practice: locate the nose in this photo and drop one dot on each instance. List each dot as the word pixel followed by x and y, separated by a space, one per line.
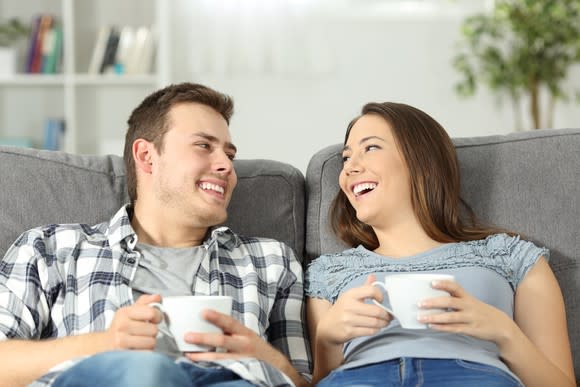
pixel 223 164
pixel 352 166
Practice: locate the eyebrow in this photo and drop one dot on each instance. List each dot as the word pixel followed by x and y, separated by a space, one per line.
pixel 215 140
pixel 363 140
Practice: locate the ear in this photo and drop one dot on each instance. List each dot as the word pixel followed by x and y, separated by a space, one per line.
pixel 143 152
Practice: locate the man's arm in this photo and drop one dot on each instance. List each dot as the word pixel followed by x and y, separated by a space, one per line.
pixel 133 327
pixel 28 360
pixel 287 347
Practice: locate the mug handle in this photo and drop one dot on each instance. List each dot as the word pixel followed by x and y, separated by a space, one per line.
pixel 161 327
pixel 382 285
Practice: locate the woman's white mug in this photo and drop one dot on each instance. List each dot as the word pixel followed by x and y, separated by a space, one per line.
pixel 405 291
pixel 183 314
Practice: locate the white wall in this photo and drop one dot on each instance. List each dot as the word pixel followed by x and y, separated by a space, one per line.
pixel 338 62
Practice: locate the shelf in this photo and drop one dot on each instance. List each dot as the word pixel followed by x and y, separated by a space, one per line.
pixel 32 80
pixel 94 106
pixel 114 79
pixel 78 80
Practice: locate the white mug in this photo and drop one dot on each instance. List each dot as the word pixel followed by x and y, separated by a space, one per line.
pixel 183 314
pixel 405 291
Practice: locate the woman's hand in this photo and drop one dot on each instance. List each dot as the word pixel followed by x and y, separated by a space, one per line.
pixel 468 315
pixel 351 317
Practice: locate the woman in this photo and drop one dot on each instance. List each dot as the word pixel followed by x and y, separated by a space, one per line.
pixel 399 207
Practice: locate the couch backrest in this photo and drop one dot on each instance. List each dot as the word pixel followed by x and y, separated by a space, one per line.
pixel 528 182
pixel 41 187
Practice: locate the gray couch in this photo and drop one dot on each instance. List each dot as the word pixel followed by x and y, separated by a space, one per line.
pixel 529 182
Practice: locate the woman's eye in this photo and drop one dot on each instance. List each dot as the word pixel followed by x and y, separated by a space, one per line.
pixel 372 147
pixel 345 159
pixel 231 156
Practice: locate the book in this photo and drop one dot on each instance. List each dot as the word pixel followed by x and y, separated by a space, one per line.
pixel 43 28
pixel 141 57
pixel 108 61
pixel 52 50
pixel 54 129
pixel 126 42
pixel 32 43
pixel 99 50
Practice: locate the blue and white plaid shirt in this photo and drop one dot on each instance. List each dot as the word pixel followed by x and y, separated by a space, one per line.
pixel 64 280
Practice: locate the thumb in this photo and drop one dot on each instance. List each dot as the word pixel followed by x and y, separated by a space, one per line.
pixel 147 299
pixel 370 279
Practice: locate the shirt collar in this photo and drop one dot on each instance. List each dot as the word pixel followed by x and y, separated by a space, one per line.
pixel 120 229
pixel 224 236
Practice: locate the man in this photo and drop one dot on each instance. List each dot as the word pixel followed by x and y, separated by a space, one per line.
pixel 67 316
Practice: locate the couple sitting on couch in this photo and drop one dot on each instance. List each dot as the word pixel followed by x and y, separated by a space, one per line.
pixel 67 316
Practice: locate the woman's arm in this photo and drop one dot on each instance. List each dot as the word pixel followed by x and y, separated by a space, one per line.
pixel 332 325
pixel 539 353
pixel 326 356
pixel 535 346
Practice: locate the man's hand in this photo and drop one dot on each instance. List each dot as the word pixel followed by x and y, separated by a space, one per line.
pixel 238 341
pixel 135 326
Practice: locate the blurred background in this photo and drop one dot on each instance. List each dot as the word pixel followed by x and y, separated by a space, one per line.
pixel 299 70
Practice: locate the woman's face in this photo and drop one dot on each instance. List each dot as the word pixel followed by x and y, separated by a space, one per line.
pixel 375 177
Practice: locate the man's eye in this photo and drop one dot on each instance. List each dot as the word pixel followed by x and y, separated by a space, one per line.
pixel 203 145
pixel 345 158
pixel 231 156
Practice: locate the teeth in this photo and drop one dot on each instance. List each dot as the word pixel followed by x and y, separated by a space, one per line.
pixel 210 186
pixel 362 187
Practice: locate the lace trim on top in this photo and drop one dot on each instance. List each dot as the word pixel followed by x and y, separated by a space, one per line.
pixel 508 256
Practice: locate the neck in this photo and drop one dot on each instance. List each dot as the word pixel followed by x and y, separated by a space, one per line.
pixel 164 230
pixel 404 240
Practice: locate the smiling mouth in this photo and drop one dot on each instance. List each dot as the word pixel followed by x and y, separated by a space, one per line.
pixel 363 188
pixel 212 188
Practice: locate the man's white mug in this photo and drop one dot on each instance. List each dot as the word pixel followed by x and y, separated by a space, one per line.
pixel 183 314
pixel 405 291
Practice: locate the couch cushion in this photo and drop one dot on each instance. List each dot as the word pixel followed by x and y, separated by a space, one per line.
pixel 42 187
pixel 528 182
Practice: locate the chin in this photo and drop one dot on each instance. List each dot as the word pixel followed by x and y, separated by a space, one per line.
pixel 365 218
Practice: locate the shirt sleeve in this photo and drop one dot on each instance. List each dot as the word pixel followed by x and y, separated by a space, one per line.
pixel 517 256
pixel 287 326
pixel 24 307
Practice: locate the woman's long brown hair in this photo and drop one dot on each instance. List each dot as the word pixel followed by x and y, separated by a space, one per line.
pixel 433 167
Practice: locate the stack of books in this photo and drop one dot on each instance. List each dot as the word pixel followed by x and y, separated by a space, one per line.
pixel 122 50
pixel 45 46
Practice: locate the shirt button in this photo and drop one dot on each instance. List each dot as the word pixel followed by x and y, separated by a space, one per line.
pixel 131 261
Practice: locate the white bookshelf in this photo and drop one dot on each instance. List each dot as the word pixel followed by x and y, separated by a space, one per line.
pixel 94 107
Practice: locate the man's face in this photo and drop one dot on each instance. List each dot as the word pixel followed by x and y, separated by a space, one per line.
pixel 193 175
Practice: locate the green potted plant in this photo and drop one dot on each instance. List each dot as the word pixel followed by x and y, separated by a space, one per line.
pixel 10 33
pixel 520 50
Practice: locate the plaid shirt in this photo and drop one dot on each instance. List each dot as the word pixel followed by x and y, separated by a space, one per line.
pixel 64 280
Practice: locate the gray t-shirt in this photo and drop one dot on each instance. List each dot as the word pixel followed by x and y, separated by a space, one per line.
pixel 489 269
pixel 169 272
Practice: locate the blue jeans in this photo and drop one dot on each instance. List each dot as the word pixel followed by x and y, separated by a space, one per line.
pixel 406 372
pixel 144 369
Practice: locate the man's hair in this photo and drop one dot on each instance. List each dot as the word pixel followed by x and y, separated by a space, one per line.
pixel 150 121
pixel 431 159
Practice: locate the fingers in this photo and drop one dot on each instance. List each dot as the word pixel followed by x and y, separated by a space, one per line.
pixel 136 342
pixel 144 313
pixel 214 340
pixel 227 323
pixel 370 279
pixel 146 299
pixel 365 292
pixel 452 287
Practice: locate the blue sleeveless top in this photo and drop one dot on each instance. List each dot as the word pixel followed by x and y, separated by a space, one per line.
pixel 490 270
